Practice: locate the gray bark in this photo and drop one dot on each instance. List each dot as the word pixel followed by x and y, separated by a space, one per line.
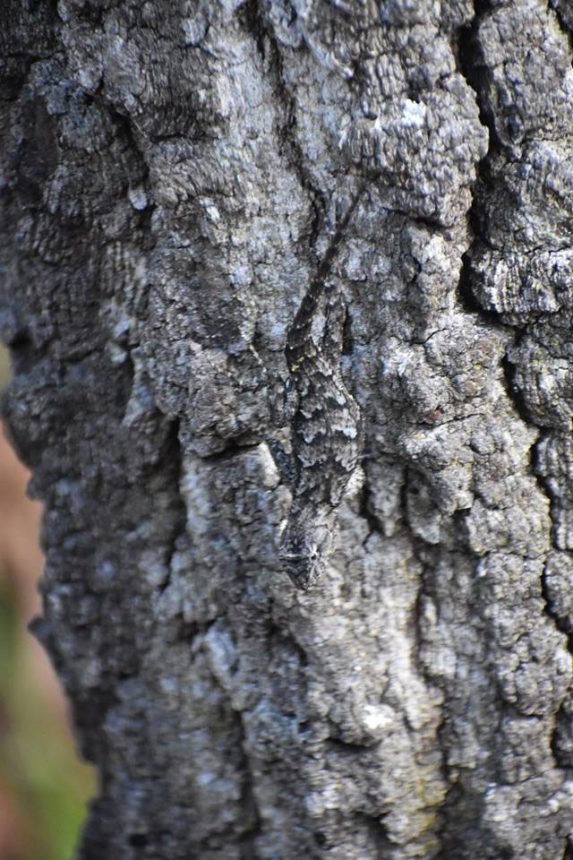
pixel 172 172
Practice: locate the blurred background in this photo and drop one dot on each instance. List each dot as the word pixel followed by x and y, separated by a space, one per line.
pixel 43 786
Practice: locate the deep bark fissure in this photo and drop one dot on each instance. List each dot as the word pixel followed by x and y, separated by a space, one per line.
pixel 173 458
pixel 287 126
pixel 471 63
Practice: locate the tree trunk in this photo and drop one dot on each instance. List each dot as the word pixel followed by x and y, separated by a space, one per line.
pixel 174 174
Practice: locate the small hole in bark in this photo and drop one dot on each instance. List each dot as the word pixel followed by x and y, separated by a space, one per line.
pixel 138 840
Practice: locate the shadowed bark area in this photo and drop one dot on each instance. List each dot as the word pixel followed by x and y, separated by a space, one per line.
pixel 173 173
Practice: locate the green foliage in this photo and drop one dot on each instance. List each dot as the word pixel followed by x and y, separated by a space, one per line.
pixel 47 784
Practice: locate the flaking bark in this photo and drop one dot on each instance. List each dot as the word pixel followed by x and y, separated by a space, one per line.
pixel 172 174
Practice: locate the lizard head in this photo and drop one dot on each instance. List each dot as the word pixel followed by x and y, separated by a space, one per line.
pixel 304 549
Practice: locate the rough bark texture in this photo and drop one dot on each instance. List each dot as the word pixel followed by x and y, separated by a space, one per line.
pixel 172 172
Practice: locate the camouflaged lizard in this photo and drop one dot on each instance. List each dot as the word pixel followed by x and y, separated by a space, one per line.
pixel 326 433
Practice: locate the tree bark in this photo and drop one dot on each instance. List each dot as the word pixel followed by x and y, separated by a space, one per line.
pixel 173 172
